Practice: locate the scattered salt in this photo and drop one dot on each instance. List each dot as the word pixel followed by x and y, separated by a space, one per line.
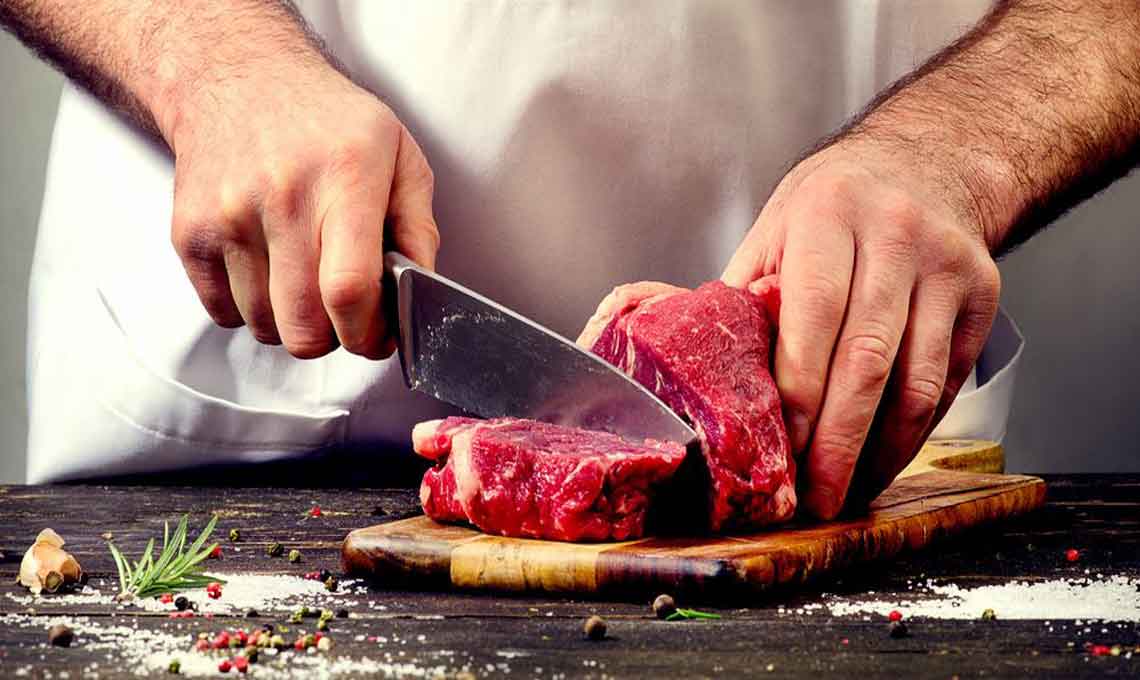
pixel 1115 598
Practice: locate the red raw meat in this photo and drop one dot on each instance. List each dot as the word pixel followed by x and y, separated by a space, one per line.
pixel 525 478
pixel 706 354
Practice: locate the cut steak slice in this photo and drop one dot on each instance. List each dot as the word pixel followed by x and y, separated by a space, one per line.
pixel 705 353
pixel 525 478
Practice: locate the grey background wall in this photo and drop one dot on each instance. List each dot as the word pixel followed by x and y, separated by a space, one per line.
pixel 1075 291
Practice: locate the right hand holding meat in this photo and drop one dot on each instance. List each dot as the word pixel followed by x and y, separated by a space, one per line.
pixel 285 177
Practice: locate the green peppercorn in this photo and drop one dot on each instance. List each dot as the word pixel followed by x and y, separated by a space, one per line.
pixel 322 625
pixel 989 615
pixel 309 640
pixel 275 549
pixel 595 628
pixel 331 584
pixel 294 555
pixel 326 614
pixel 235 535
pixel 235 642
pixel 297 617
pixel 251 653
pixel 174 667
pixel 663 606
pixel 277 642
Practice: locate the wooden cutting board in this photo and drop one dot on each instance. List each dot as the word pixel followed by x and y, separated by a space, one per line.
pixel 951 486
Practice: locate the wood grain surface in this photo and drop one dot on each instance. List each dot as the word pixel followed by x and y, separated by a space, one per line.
pixel 939 495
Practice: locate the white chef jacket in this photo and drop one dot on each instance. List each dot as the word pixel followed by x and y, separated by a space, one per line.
pixel 576 145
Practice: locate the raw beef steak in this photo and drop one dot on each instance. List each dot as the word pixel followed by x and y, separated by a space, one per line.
pixel 530 479
pixel 705 353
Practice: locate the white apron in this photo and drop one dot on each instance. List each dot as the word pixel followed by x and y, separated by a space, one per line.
pixel 576 145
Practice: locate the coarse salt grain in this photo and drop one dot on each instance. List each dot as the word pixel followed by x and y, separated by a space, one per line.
pixel 1115 598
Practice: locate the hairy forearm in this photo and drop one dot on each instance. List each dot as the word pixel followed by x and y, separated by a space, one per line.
pixel 155 60
pixel 1034 110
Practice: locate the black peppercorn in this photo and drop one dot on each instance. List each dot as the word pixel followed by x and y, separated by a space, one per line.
pixel 342 613
pixel 268 628
pixel 252 614
pixel 60 635
pixel 898 629
pixel 181 603
pixel 595 628
pixel 664 606
pixel 325 575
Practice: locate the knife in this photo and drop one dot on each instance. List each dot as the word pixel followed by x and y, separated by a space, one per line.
pixel 469 351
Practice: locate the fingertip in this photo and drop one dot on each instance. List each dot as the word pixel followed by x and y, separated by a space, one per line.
pixel 822 503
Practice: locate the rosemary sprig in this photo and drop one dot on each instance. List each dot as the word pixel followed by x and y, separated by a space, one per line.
pixel 690 614
pixel 178 567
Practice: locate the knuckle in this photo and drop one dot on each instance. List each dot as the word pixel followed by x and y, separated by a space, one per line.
pixel 920 396
pixel 195 242
pixel 285 190
pixel 346 291
pixel 868 356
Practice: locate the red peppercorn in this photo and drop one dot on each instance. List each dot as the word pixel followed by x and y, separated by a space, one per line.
pixel 241 664
pixel 201 645
pixel 242 637
pixel 1072 554
pixel 299 645
pixel 1100 650
pixel 213 585
pixel 316 511
pixel 216 553
pixel 225 666
pixel 166 598
pixel 895 615
pixel 845 641
pixel 317 636
pixel 213 594
pixel 221 640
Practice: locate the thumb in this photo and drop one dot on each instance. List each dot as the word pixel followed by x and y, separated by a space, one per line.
pixel 413 230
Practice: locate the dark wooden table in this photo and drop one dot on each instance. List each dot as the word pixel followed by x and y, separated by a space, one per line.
pixel 541 637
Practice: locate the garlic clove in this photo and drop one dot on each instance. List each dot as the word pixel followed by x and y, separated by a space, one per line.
pixel 47 566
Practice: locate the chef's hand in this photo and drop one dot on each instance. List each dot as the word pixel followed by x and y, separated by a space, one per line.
pixel 285 177
pixel 888 294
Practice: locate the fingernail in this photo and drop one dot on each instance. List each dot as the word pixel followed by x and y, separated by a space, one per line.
pixel 799 429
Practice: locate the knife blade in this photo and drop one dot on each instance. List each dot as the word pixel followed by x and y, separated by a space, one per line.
pixel 469 351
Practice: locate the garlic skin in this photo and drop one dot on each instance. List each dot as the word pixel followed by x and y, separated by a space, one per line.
pixel 47 566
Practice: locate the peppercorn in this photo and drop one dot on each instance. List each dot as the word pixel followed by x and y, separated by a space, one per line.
pixel 309 640
pixel 181 603
pixel 60 635
pixel 294 555
pixel 166 598
pixel 322 625
pixel 342 613
pixel 595 628
pixel 275 549
pixel 216 553
pixel 268 628
pixel 241 664
pixel 897 629
pixel 225 666
pixel 297 617
pixel 316 511
pixel 277 642
pixel 252 654
pixel 252 614
pixel 989 615
pixel 326 614
pixel 663 606
pixel 235 535
pixel 325 575
pixel 174 667
pixel 331 584
pixel 324 644
pixel 895 615
pixel 1072 554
